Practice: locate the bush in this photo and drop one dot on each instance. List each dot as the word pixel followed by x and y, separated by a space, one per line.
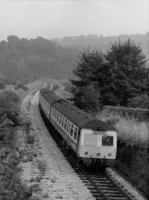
pixel 41 166
pixel 10 107
pixel 12 96
pixel 21 86
pixel 132 152
pixel 30 138
pixel 141 101
pixel 88 99
pixel 2 85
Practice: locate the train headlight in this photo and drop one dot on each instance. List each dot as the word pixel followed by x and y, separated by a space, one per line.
pixel 98 154
pixel 86 153
pixel 109 154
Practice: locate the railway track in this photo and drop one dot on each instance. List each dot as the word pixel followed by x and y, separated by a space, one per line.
pixel 100 184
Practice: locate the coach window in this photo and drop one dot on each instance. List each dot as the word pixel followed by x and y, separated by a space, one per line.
pixel 52 114
pixel 63 121
pixel 71 131
pixel 57 117
pixel 65 124
pixel 68 124
pixel 76 133
pixel 60 120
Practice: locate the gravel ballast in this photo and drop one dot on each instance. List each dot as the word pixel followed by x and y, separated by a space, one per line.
pixel 58 180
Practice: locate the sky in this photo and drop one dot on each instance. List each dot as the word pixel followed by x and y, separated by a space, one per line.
pixel 59 18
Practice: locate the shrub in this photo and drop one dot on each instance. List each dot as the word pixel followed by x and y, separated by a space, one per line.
pixel 12 96
pixel 41 166
pixel 21 86
pixel 2 85
pixel 9 107
pixel 141 101
pixel 30 138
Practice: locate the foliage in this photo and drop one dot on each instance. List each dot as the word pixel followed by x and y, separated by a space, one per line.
pixel 9 107
pixel 2 85
pixel 116 76
pixel 85 91
pixel 141 101
pixel 30 138
pixel 28 60
pixel 128 75
pixel 11 188
pixel 88 99
pixel 132 158
pixel 21 86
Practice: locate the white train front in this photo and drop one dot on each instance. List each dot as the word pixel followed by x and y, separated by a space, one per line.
pixel 93 140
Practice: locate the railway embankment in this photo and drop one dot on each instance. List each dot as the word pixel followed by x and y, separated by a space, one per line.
pixel 45 171
pixel 11 125
pixel 133 145
pixel 132 160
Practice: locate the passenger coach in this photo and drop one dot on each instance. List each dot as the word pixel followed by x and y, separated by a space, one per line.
pixel 90 138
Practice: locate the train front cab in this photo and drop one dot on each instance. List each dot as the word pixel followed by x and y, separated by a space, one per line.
pixel 98 144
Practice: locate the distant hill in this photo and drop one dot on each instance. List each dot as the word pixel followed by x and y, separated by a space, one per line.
pixel 102 43
pixel 28 60
pixel 23 60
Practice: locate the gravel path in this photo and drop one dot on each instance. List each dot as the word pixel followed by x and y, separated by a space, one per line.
pixel 59 181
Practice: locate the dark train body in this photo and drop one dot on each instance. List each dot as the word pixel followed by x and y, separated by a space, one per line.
pixel 92 139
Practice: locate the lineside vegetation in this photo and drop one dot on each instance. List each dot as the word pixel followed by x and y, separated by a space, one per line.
pixel 118 77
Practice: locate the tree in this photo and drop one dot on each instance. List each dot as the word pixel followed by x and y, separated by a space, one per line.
pixel 117 76
pixel 128 74
pixel 86 94
pixel 88 99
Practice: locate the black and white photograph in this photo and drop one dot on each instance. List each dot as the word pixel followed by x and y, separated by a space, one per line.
pixel 74 99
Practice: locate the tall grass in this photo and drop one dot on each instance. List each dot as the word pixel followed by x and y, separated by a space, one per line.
pixel 132 152
pixel 129 129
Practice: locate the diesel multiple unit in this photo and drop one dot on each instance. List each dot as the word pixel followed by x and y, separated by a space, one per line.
pixel 92 139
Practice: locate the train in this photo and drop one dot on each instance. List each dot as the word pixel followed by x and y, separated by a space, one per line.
pixel 93 141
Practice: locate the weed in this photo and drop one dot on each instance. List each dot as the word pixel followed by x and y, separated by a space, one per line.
pixel 41 166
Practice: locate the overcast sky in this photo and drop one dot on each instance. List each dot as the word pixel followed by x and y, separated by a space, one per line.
pixel 58 18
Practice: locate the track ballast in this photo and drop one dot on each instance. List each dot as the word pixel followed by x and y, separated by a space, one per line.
pixel 100 184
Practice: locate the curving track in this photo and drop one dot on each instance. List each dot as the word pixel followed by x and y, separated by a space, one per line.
pixel 100 184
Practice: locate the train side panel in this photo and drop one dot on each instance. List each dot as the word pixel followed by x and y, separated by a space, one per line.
pixel 66 132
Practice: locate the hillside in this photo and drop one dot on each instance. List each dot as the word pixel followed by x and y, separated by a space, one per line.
pixel 26 60
pixel 29 60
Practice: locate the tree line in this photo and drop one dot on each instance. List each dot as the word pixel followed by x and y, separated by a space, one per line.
pixel 119 77
pixel 31 59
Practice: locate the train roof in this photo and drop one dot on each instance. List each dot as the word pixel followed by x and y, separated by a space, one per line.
pixel 74 114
